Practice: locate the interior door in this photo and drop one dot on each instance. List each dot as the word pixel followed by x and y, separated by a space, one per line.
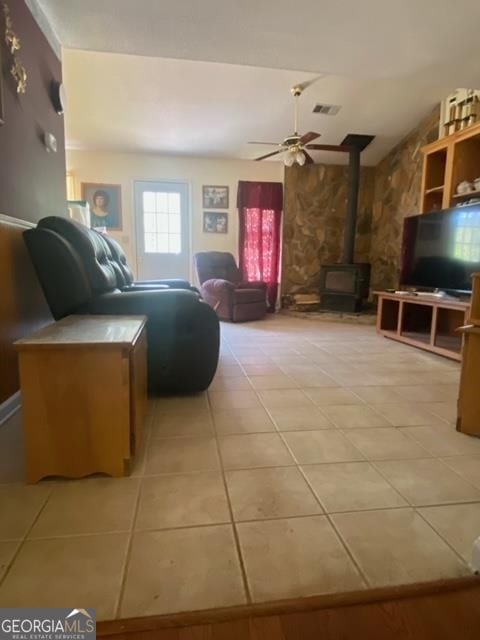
pixel 163 238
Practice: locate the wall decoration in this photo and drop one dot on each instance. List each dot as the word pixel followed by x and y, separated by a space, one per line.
pixel 105 201
pixel 12 40
pixel 2 108
pixel 20 75
pixel 215 197
pixel 17 69
pixel 215 222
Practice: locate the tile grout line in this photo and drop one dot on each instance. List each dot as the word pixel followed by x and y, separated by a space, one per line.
pixel 25 539
pixel 418 512
pixel 416 508
pixel 339 537
pixel 243 569
pixel 334 427
pixel 128 551
pixel 253 520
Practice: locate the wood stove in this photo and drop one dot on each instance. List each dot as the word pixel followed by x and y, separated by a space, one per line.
pixel 344 286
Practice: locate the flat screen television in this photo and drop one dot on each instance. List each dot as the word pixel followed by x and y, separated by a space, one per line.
pixel 441 250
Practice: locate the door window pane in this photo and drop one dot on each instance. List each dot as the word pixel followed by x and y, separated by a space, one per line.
pixel 162 222
pixel 174 203
pixel 149 222
pixel 162 202
pixel 149 201
pixel 162 243
pixel 150 243
pixel 174 223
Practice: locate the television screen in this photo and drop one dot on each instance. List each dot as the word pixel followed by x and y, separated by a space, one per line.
pixel 442 249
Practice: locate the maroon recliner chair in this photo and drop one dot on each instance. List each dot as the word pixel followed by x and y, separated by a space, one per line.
pixel 223 289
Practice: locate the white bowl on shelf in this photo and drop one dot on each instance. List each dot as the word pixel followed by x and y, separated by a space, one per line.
pixel 464 187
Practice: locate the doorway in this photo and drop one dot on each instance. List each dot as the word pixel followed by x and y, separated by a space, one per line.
pixel 162 230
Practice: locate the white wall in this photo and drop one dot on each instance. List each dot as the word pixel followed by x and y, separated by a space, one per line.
pixel 124 168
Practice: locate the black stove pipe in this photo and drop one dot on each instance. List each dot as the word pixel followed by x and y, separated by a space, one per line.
pixel 352 205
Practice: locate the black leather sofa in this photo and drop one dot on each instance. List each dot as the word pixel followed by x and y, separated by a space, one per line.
pixel 79 275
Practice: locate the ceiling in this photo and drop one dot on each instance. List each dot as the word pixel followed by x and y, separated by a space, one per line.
pixel 203 78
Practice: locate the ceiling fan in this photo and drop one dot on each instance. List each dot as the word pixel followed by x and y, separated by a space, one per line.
pixel 296 146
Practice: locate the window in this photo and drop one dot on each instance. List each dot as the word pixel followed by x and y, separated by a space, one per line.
pixel 162 222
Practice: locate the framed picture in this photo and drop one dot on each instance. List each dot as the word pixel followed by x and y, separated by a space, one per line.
pixel 215 197
pixel 215 222
pixel 105 202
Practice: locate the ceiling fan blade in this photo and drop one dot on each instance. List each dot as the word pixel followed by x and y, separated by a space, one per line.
pixel 304 85
pixel 276 144
pixel 308 157
pixel 267 155
pixel 329 147
pixel 308 137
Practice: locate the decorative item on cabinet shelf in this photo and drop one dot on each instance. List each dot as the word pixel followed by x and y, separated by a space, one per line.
pixel 464 188
pixel 459 110
pixel 467 192
pixel 467 203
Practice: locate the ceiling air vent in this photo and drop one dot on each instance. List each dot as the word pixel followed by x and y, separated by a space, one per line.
pixel 327 109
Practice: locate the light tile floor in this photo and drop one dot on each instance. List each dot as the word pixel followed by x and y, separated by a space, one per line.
pixel 322 459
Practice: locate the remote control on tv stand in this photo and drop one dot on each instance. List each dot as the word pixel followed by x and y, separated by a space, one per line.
pixel 427 294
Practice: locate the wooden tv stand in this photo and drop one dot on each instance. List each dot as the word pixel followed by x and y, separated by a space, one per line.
pixel 423 321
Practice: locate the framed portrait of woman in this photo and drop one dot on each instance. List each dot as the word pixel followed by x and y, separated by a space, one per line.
pixel 105 202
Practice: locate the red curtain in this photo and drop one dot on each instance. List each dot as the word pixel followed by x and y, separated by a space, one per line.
pixel 260 207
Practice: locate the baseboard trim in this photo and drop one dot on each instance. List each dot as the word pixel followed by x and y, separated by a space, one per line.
pixel 9 407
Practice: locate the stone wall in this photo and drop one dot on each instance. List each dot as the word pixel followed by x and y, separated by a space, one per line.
pixel 397 195
pixel 314 218
pixel 315 207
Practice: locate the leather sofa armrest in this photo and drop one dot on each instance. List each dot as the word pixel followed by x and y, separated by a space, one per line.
pixel 152 302
pixel 145 287
pixel 183 335
pixel 173 283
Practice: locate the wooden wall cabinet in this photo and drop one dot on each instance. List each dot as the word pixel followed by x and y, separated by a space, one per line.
pixel 448 162
pixel 84 392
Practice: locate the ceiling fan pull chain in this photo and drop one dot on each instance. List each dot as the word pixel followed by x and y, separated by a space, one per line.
pixel 295 113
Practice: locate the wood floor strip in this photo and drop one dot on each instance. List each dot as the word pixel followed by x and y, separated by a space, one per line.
pixel 444 609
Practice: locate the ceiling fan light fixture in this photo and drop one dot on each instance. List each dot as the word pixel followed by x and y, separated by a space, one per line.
pixel 289 158
pixel 300 158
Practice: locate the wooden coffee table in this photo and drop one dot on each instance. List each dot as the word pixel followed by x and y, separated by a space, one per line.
pixel 84 389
